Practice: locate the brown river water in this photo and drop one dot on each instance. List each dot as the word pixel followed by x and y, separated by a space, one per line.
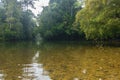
pixel 59 61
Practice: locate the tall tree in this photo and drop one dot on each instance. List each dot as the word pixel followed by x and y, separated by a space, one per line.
pixel 100 19
pixel 16 23
pixel 27 3
pixel 28 24
pixel 13 13
pixel 56 19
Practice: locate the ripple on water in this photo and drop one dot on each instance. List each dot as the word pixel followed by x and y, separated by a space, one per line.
pixel 35 72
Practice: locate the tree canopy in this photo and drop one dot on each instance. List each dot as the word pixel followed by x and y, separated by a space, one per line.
pixel 100 19
pixel 56 20
pixel 60 20
pixel 16 23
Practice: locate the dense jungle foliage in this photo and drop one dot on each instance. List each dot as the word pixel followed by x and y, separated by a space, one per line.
pixel 60 20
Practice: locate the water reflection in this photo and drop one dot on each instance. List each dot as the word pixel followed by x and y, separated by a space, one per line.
pixel 59 61
pixel 2 75
pixel 79 62
pixel 35 71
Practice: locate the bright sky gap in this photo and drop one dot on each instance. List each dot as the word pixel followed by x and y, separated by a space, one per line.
pixel 38 6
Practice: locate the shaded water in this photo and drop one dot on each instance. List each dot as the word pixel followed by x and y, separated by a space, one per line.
pixel 58 61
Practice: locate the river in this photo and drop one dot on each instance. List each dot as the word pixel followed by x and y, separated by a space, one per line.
pixel 59 61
